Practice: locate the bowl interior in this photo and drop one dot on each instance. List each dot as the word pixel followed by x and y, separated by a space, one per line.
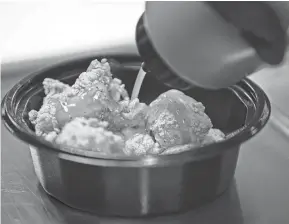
pixel 231 110
pixel 226 110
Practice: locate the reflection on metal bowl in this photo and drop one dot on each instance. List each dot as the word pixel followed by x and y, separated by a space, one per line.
pixel 138 186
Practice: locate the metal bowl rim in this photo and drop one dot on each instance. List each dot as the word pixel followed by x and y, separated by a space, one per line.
pixel 260 118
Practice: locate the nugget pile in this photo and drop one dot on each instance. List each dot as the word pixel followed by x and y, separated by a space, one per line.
pixel 96 114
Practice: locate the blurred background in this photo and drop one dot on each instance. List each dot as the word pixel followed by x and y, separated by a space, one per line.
pixel 34 31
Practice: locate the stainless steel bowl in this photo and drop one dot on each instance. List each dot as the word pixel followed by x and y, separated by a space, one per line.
pixel 138 186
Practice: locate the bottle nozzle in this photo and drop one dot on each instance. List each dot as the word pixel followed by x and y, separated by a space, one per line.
pixel 153 64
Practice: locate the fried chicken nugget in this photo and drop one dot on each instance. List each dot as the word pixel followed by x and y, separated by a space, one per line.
pixel 90 134
pixel 45 120
pixel 177 119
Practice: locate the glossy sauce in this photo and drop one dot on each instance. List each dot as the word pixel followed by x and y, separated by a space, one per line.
pixel 86 105
pixel 138 83
pixel 95 103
